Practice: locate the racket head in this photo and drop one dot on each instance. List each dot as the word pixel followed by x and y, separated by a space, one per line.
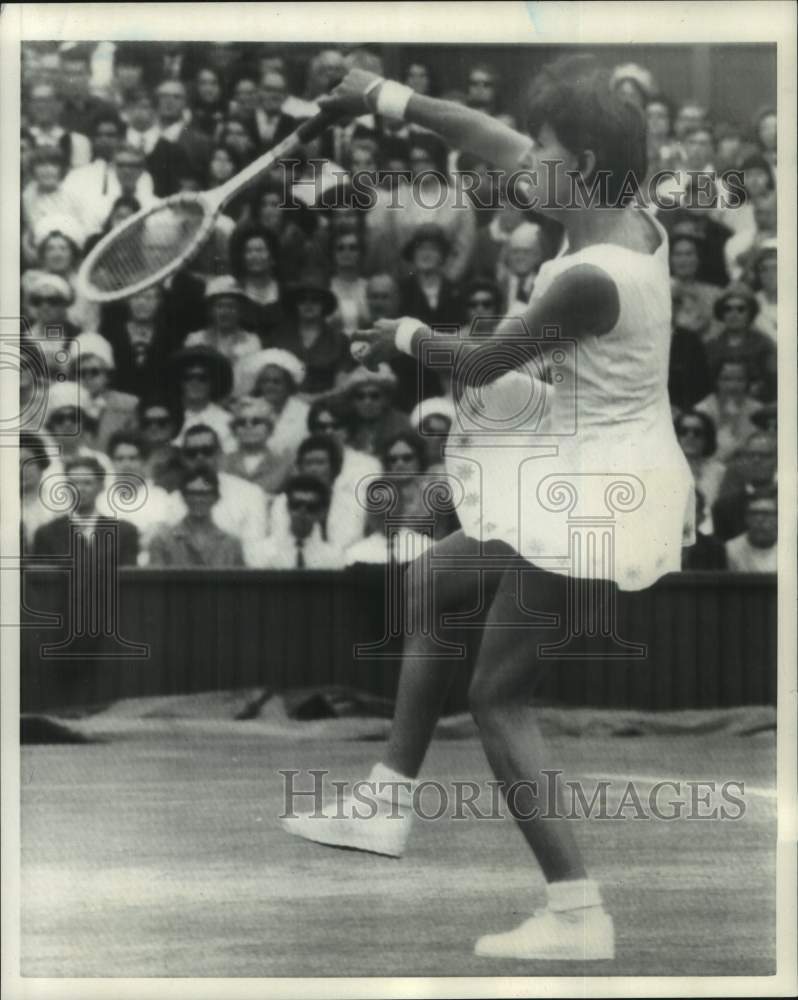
pixel 147 248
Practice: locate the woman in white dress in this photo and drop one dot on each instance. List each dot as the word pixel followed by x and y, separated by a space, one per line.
pixel 532 460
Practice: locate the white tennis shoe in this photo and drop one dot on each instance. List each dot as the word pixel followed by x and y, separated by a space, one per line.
pixel 583 935
pixel 350 827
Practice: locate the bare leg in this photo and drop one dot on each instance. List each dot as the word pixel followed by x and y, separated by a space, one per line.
pixel 501 690
pixel 426 678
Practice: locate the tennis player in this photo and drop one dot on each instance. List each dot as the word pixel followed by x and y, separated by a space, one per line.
pixel 609 292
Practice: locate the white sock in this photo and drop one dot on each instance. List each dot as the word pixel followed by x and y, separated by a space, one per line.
pixel 396 787
pixel 576 894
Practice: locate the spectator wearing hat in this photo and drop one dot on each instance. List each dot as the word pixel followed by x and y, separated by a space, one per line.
pixel 739 340
pixel 696 435
pixel 521 260
pixel 730 407
pixel 254 459
pixel 34 460
pixel 756 550
pixel 48 297
pixel 58 241
pixel 764 281
pixel 196 540
pixel 86 477
pixel 242 507
pixel 254 253
pixel 113 171
pixel 45 110
pixel 708 552
pixel 633 83
pixel 92 364
pixel 428 294
pixel 204 377
pixel 158 423
pixel 758 464
pixel 224 332
pixel 424 199
pixel 374 419
pixel 685 266
pixel 323 350
pixel 70 427
pixel 275 375
pixel 145 504
pixel 300 544
pixel 432 419
pixel 44 196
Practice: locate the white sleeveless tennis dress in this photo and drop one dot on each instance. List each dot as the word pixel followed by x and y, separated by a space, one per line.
pixel 584 476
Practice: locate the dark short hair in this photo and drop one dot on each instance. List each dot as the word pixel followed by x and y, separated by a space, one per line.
pixel 301 483
pixel 148 402
pixel 87 462
pixel 434 147
pixel 666 102
pixel 48 154
pixel 708 426
pixel 410 438
pixel 763 493
pixel 322 442
pixel 198 429
pixel 105 117
pixel 238 240
pixel 327 405
pixel 123 437
pixel 573 97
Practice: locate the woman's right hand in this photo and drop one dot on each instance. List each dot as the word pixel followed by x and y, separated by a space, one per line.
pixel 370 347
pixel 349 97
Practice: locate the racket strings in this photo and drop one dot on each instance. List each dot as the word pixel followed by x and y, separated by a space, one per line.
pixel 147 246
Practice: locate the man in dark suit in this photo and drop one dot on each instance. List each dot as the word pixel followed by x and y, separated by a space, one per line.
pixel 170 104
pixel 271 123
pixel 61 537
pixel 167 162
pixel 759 469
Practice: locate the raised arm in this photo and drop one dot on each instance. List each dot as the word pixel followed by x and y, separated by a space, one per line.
pixel 582 302
pixel 461 127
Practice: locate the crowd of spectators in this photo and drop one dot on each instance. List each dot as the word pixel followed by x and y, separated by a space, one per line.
pixel 226 400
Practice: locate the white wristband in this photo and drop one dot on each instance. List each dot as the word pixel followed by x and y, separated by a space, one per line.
pixel 392 99
pixel 403 338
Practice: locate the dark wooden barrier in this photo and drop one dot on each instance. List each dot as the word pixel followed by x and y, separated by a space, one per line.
pixel 711 640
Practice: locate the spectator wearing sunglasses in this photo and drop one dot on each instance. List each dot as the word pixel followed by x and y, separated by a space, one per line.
pixel 254 459
pixel 241 509
pixel 70 427
pixel 224 330
pixel 49 297
pixel 204 378
pixel 158 424
pixel 739 340
pixel 196 540
pixel 731 407
pixel 695 432
pixel 374 419
pixel 92 364
pixel 300 544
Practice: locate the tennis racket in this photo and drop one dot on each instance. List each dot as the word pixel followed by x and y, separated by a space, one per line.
pixel 152 244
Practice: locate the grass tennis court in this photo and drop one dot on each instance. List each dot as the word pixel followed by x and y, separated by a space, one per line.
pixel 161 855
